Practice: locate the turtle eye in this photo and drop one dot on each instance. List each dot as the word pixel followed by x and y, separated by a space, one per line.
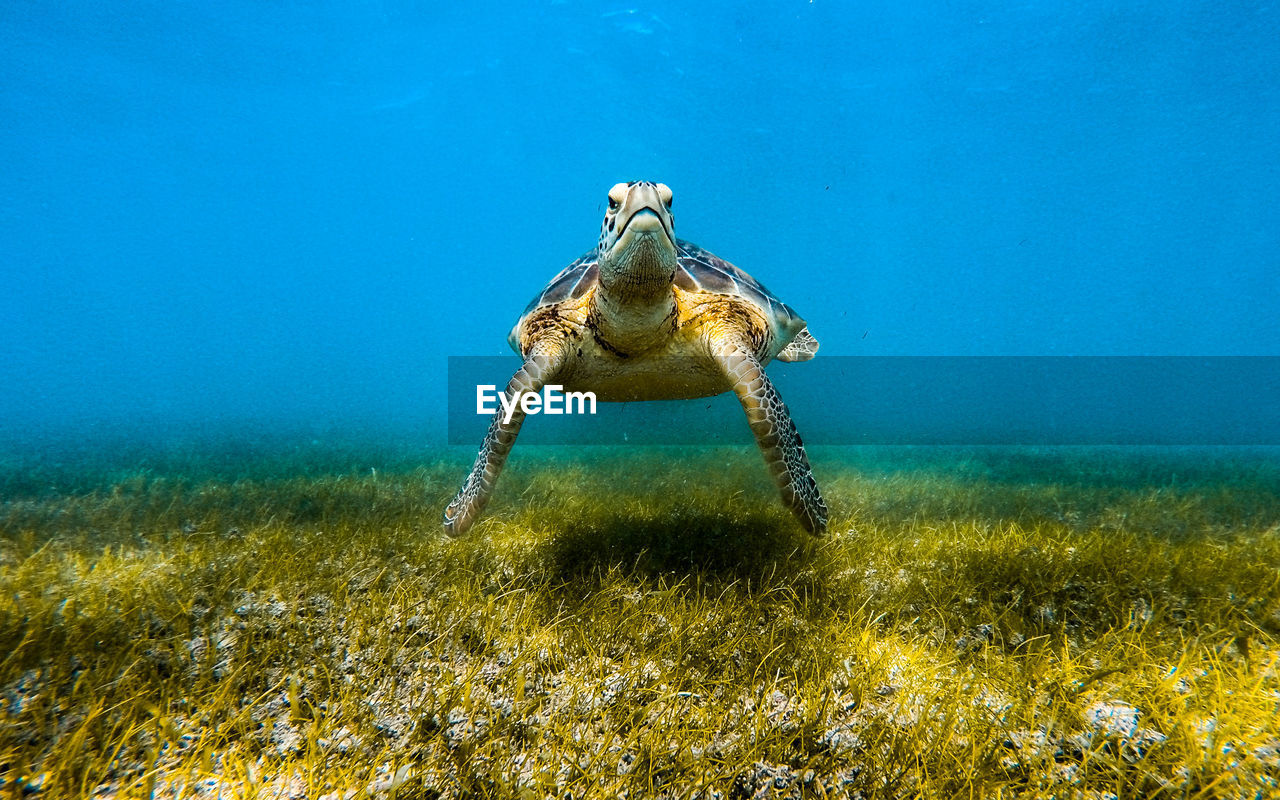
pixel 664 192
pixel 617 194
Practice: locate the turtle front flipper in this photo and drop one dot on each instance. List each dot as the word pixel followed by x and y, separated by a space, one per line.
pixel 539 368
pixel 775 433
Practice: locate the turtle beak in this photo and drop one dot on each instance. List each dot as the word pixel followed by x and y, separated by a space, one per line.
pixel 648 221
pixel 645 219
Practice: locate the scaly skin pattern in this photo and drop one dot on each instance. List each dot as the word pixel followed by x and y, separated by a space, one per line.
pixel 543 361
pixel 677 323
pixel 775 433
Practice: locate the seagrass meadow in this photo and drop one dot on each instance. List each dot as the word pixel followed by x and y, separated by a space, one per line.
pixel 287 621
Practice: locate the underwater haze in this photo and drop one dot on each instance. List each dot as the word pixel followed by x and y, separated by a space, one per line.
pixel 219 214
pixel 258 257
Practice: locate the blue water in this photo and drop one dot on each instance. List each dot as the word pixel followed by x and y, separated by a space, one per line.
pixel 219 212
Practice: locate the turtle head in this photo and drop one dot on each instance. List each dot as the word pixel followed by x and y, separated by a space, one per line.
pixel 637 250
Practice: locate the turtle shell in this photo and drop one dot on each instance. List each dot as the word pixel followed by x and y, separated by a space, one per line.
pixel 699 270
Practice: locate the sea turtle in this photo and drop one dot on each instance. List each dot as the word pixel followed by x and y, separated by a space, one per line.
pixel 647 316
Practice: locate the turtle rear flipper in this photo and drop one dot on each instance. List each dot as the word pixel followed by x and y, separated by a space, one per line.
pixel 775 433
pixel 540 367
pixel 801 348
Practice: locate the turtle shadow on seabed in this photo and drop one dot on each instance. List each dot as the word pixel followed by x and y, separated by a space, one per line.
pixel 745 547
